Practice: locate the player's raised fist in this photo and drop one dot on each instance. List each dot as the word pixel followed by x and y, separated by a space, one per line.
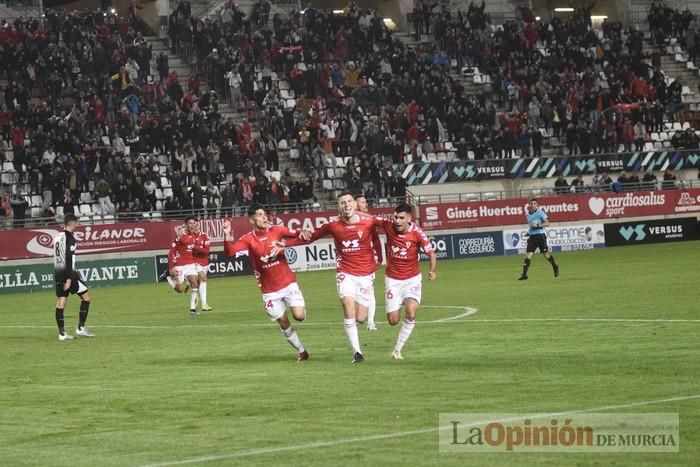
pixel 305 235
pixel 227 227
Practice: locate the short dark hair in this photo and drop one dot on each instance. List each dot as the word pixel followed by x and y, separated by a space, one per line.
pixel 190 218
pixel 70 218
pixel 344 193
pixel 254 208
pixel 534 199
pixel 404 207
pixel 358 196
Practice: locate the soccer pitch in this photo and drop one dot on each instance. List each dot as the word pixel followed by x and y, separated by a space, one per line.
pixel 616 332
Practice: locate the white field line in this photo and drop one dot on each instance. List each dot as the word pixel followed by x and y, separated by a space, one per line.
pixel 400 434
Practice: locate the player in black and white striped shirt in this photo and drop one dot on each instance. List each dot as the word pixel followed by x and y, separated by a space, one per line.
pixel 67 279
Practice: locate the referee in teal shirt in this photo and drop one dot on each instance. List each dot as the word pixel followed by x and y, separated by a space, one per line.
pixel 537 239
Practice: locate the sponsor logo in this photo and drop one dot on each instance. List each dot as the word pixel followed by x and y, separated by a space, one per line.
pixel 291 255
pixel 687 203
pixel 400 252
pixel 490 169
pixel 431 213
pixel 628 231
pixel 596 205
pixel 350 244
pixel 477 246
pixel 614 206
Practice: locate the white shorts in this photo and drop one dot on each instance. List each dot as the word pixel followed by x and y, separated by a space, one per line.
pixel 276 303
pixel 359 288
pixel 199 268
pixel 182 272
pixel 397 291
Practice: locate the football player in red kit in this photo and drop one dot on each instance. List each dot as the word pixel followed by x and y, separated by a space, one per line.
pixel 355 264
pixel 403 281
pixel 280 291
pixel 201 264
pixel 181 264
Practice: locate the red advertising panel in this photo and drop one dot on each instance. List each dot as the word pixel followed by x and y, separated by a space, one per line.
pixel 560 208
pixel 139 236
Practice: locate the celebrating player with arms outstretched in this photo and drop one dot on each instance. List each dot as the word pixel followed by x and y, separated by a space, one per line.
pixel 355 265
pixel 536 222
pixel 200 254
pixel 363 207
pixel 276 281
pixel 181 262
pixel 403 282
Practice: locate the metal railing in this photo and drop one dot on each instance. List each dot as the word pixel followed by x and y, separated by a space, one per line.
pixel 330 205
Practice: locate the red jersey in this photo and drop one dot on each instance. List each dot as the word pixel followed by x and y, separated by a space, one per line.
pixel 403 249
pixel 201 249
pixel 180 253
pixel 273 274
pixel 353 245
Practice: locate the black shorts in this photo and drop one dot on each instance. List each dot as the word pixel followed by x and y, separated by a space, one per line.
pixel 77 286
pixel 536 241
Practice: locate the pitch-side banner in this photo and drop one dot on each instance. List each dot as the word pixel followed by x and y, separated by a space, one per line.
pixel 139 236
pixel 560 208
pixel 559 238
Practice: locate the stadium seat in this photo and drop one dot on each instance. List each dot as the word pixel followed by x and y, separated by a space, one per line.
pixel 340 162
pixel 165 182
pixel 36 213
pixel 294 153
pixel 655 136
pixel 96 219
pixel 59 211
pixel 327 185
pixel 167 192
pixel 85 197
pixel 109 219
pixel 470 155
pixel 159 193
pixel 85 210
pixel 37 201
pixel 146 215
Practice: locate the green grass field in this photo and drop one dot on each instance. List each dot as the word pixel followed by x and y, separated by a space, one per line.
pixel 158 387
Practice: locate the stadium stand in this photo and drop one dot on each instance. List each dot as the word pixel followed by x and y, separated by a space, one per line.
pixel 291 108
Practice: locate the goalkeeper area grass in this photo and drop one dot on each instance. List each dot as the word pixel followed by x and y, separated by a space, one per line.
pixel 616 332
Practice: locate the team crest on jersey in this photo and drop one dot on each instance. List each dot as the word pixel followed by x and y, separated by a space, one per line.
pixel 359 234
pixel 408 244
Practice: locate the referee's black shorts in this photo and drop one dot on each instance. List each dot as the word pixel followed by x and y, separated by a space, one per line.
pixel 536 241
pixel 77 286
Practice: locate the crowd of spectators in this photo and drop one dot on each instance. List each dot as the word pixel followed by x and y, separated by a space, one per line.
pixel 86 108
pixel 633 181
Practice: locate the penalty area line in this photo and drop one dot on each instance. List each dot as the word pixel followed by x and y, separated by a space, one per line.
pixel 401 434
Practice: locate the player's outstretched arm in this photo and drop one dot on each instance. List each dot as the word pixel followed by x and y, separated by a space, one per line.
pixel 232 248
pixel 305 237
pixel 432 273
